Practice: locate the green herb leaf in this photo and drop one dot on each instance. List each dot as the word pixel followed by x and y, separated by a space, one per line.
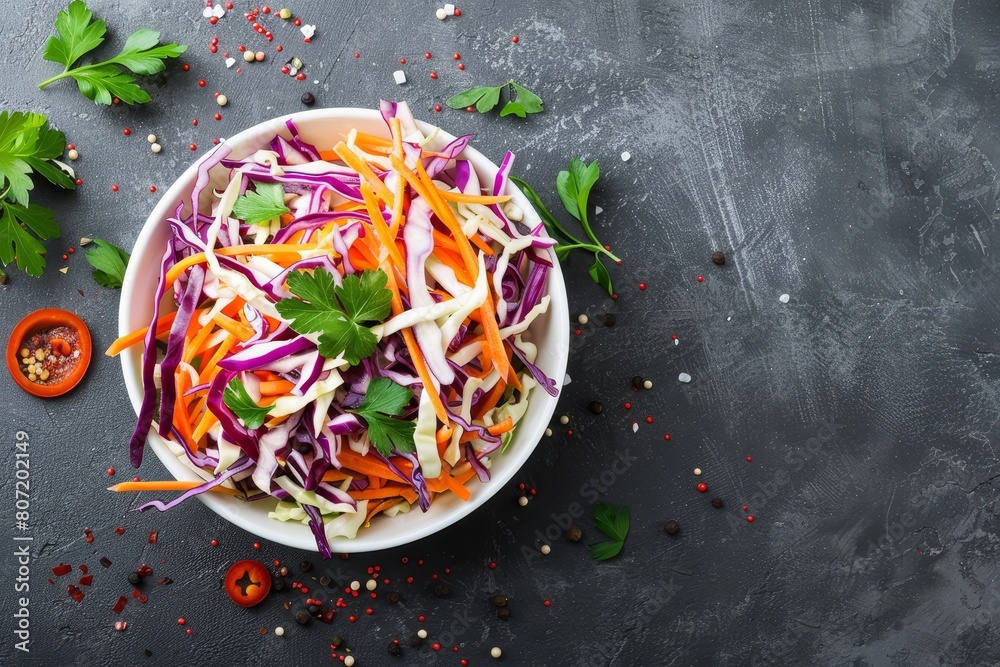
pixel 238 400
pixel 77 35
pixel 476 96
pixel 264 205
pixel 513 108
pixel 104 81
pixel 339 314
pixel 485 98
pixel 383 401
pixel 605 550
pixel 109 262
pixel 19 227
pixel 600 274
pixel 574 186
pixel 615 524
pixel 530 102
pixel 27 142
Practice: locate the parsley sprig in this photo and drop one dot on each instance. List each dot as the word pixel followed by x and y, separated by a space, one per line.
pixel 520 100
pixel 101 82
pixel 340 315
pixel 384 400
pixel 615 524
pixel 28 146
pixel 573 186
pixel 238 400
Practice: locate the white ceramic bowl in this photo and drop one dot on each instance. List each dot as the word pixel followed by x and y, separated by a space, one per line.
pixel 323 128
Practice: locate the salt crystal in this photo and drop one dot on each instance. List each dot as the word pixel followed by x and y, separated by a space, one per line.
pixel 784 298
pixel 635 427
pixel 449 9
pixel 207 12
pixel 598 210
pixel 684 377
pixel 677 341
pixel 567 380
pixel 230 62
pixel 399 76
pixel 626 156
pixel 308 30
pixel 218 11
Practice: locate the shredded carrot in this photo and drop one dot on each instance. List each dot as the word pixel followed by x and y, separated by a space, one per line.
pixel 365 465
pixel 169 485
pixel 490 401
pixel 276 387
pixel 380 228
pixel 387 491
pixel 352 160
pixel 501 427
pixel 238 329
pixel 462 198
pixel 256 249
pixel 163 325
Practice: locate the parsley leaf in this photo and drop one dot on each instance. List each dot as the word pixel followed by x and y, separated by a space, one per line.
pixel 339 314
pixel 109 262
pixel 79 34
pixel 521 101
pixel 574 186
pixel 383 401
pixel 264 205
pixel 27 144
pixel 19 227
pixel 238 400
pixel 613 523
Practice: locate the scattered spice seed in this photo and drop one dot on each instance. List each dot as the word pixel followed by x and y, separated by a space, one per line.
pixel 394 648
pixel 301 617
pixel 637 383
pixel 416 641
pixel 105 561
pixel 546 549
pixel 564 420
pixel 392 597
pixel 441 591
pixel 700 279
pixel 717 503
pixel 702 487
pixel 522 501
pixel 672 527
pixel 718 258
pixel 134 578
pixel 574 533
pixel 749 459
pixel 609 320
pixel 434 75
pixel 596 407
pixel 515 39
pixel 503 614
pixel 308 99
pixel 427 55
pixel 306 565
pixel 126 131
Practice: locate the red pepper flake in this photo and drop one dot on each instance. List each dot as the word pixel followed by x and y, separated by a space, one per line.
pixel 301 76
pixel 279 48
pixel 297 22
pixel 327 615
pixel 493 565
pixel 61 569
pixel 436 646
pixel 114 188
pixel 256 545
pixel 457 56
pixel 119 530
pixel 357 55
pixel 745 508
pixel 75 593
pixel 86 580
pixel 265 9
pixel 649 420
pixel 750 519
pixel 409 580
pixel 152 537
pixel 702 487
pixel 152 188
pixel 642 286
pixel 352 618
pixel 189 631
pixel 515 39
pixel 547 603
pixel 402 61
pixel 215 543
pixel 369 611
pixel 193 147
pixel 185 67
pixel 437 107
pixel 72 250
pixel 201 83
pixel 628 406
pixel 666 436
pixel 421 618
pixel 458 12
pixel 213 19
pixel 194 121
pixel 120 626
pixel 122 601
pixel 461 66
pixel 181 621
pixel 79 181
pixel 427 55
pixel 700 279
pixel 749 459
pixel 165 581
pixel 126 131
pixel 470 108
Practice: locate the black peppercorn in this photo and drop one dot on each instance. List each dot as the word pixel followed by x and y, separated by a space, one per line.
pixel 574 533
pixel 105 561
pixel 717 503
pixel 134 578
pixel 301 617
pixel 609 320
pixel 718 258
pixel 392 597
pixel 394 649
pixel 306 565
pixel 308 99
pixel 278 584
pixel 672 528
pixel 596 407
pixel 313 609
pixel 441 591
pixel 416 641
pixel 637 382
pixel 500 600
pixel 336 641
pixel 503 614
pixel 324 580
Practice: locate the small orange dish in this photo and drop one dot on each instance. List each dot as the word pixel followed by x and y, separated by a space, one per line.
pixel 48 352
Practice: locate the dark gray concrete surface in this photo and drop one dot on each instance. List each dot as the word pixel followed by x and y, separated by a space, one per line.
pixel 839 151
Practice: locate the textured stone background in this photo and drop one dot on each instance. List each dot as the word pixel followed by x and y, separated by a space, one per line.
pixel 842 152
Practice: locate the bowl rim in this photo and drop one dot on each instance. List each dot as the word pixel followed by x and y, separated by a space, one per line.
pixel 228 507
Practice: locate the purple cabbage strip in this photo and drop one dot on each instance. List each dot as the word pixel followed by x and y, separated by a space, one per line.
pixel 254 356
pixel 236 432
pixel 318 530
pixel 148 406
pixel 239 466
pixel 175 347
pixel 417 480
pixel 481 431
pixel 388 110
pixel 307 149
pixel 547 383
pixel 477 465
pixel 313 220
pixel 448 153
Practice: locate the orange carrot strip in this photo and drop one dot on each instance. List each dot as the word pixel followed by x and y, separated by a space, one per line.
pixel 238 329
pixel 230 251
pixel 454 486
pixel 491 399
pixel 481 244
pixel 334 475
pixel 169 485
pixel 373 139
pixel 374 482
pixel 501 427
pixel 128 340
pixel 208 368
pixel 387 491
pixel 276 387
pixel 462 198
pixel 207 421
pixel 352 160
pixel 443 434
pixel 383 506
pixel 192 349
pixel 381 229
pixel 366 466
